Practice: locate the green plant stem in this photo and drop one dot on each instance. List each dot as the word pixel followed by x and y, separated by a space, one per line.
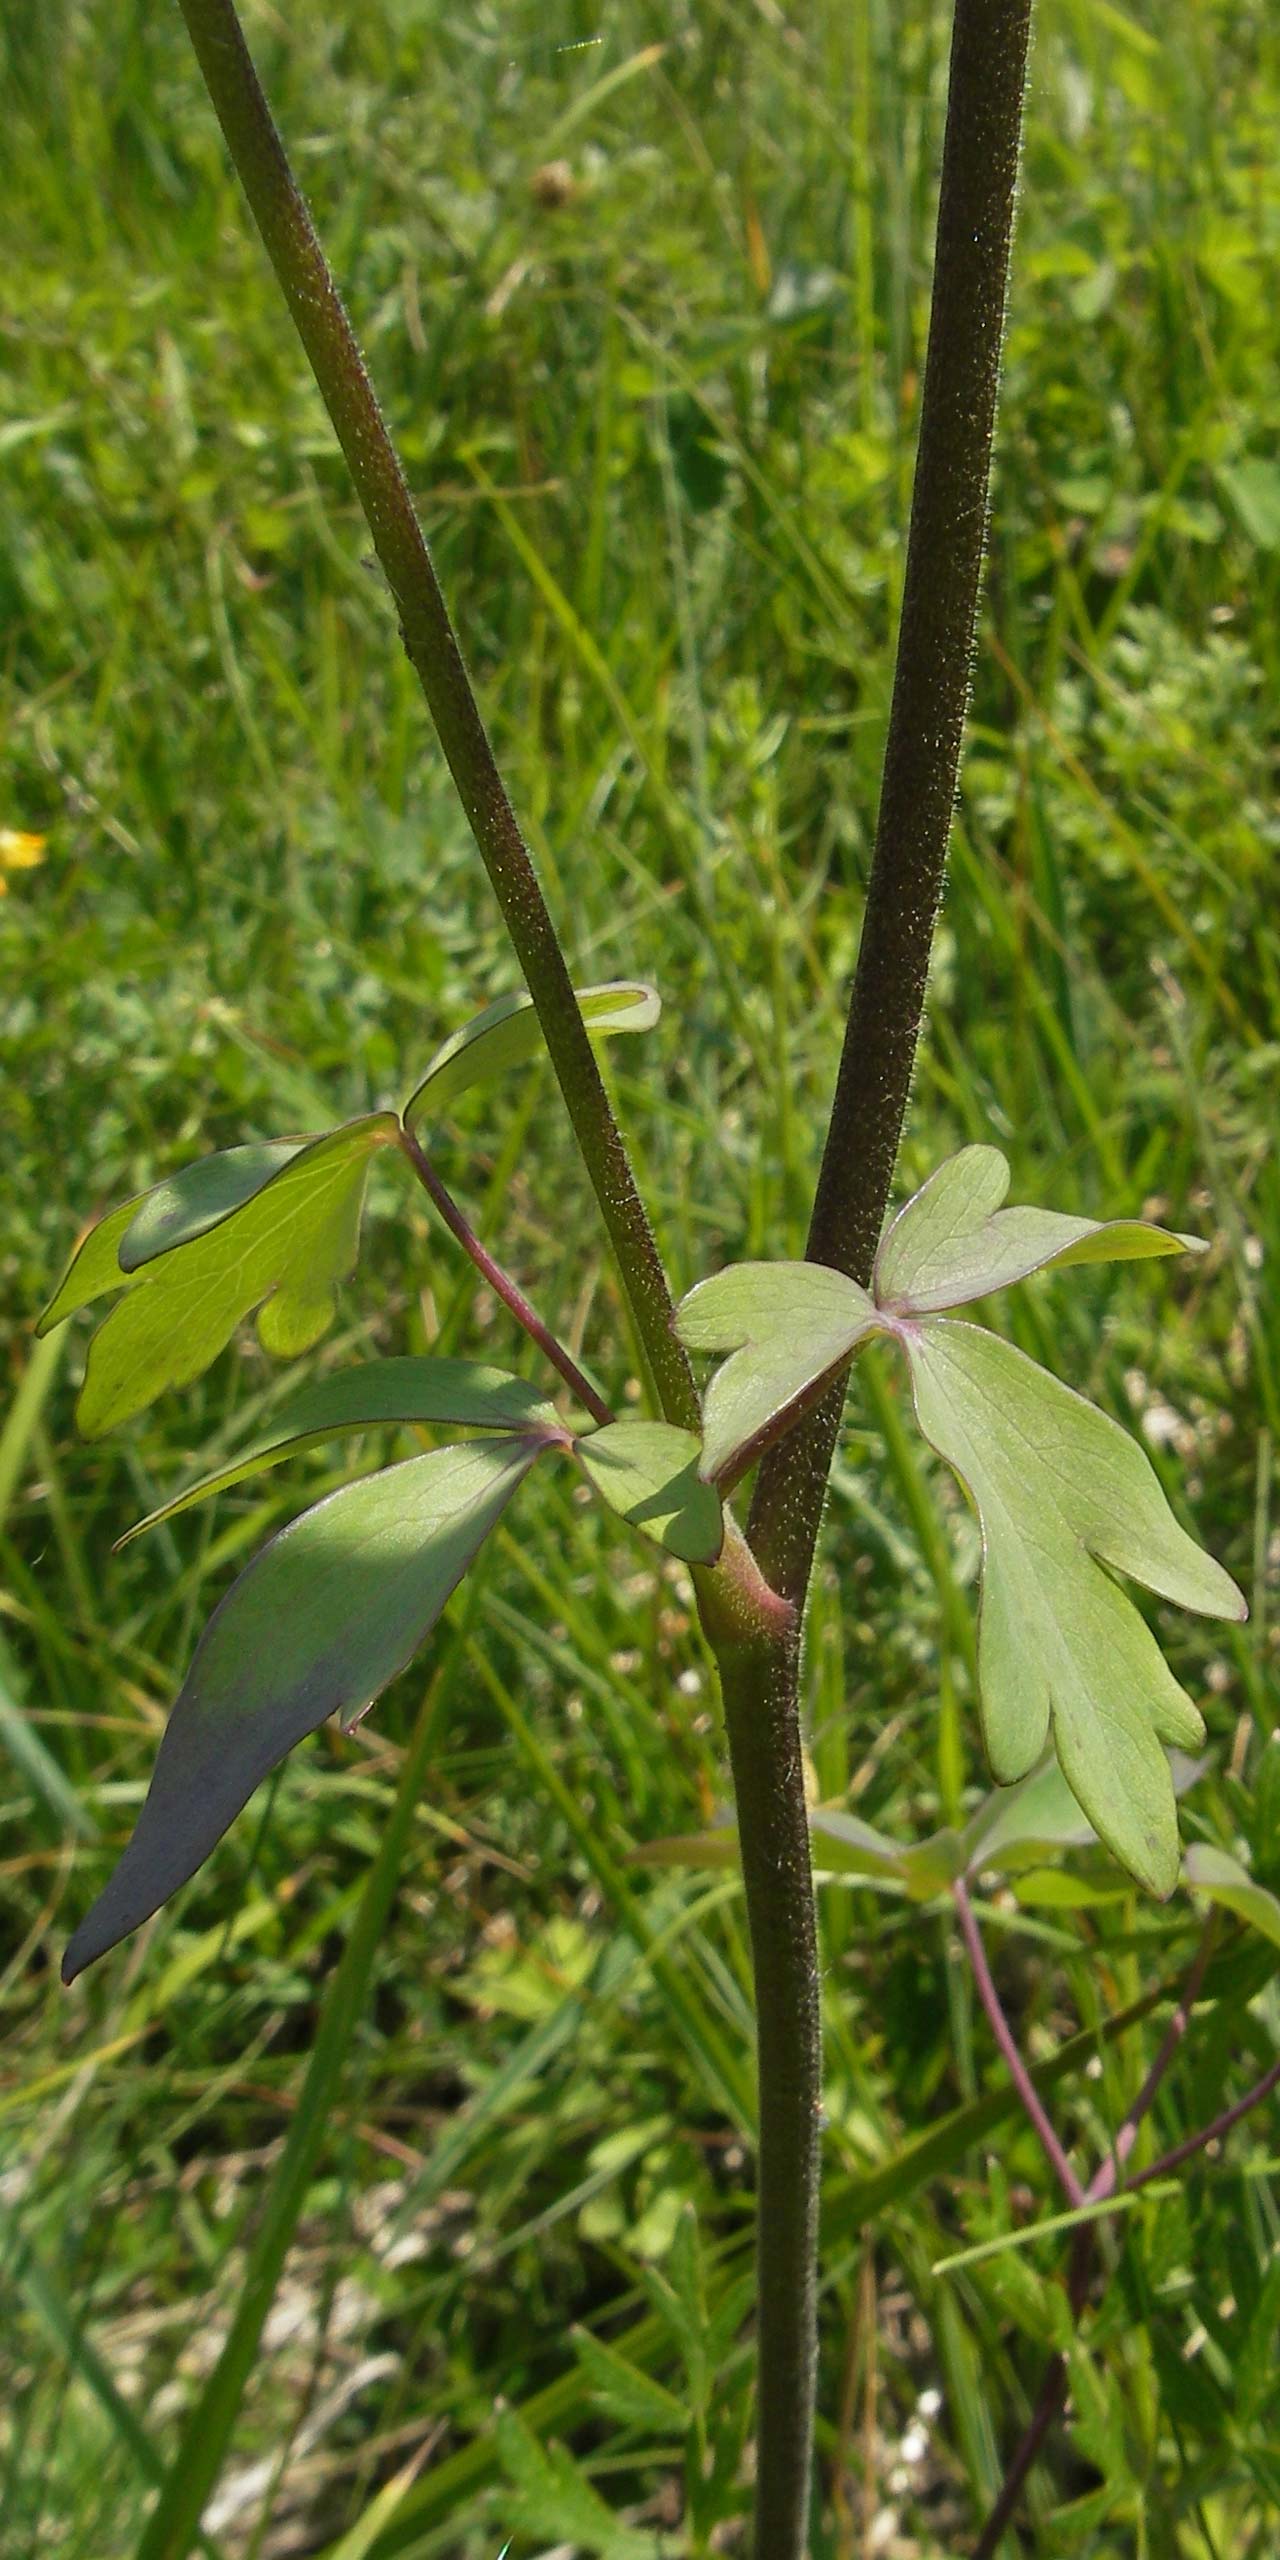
pixel 759 1684
pixel 432 648
pixel 930 697
pixel 926 720
pixel 501 1282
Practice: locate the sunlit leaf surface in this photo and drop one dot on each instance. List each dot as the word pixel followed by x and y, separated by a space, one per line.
pixel 282 1251
pixel 1066 1498
pixel 459 1392
pixel 1062 1492
pixel 789 1325
pixel 508 1033
pixel 954 1242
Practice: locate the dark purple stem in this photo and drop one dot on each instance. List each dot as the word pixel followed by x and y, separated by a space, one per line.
pixel 1004 2037
pixel 1053 2391
pixel 500 1281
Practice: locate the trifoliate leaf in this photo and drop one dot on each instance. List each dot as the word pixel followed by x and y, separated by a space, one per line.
pixel 953 1241
pixel 508 1033
pixel 1221 1878
pixel 1062 1492
pixel 317 1625
pixel 283 1252
pixel 789 1326
pixel 378 1392
pixel 648 1472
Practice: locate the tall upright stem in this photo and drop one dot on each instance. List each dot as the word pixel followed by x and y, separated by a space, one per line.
pixel 926 719
pixel 759 1686
pixel 432 647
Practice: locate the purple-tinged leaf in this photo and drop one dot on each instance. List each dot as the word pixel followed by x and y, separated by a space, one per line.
pixel 954 1242
pixel 317 1625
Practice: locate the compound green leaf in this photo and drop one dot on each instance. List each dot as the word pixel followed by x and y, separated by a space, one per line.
pixel 282 1252
pixel 953 1241
pixel 201 1196
pixel 94 1268
pixel 789 1325
pixel 153 1221
pixel 508 1033
pixel 378 1392
pixel 1062 1492
pixel 648 1473
pixel 317 1625
pixel 1222 1879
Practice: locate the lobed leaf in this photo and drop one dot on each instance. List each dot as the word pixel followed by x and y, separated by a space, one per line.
pixel 1061 1491
pixel 199 1197
pixel 508 1033
pixel 282 1252
pixel 378 1392
pixel 789 1326
pixel 648 1473
pixel 953 1242
pixel 322 1619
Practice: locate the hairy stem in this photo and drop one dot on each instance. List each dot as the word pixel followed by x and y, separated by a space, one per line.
pixel 762 1714
pixel 926 720
pixel 501 1282
pixel 1005 2038
pixel 432 647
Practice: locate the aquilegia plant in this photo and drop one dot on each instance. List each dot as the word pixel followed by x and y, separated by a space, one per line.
pixel 339 1601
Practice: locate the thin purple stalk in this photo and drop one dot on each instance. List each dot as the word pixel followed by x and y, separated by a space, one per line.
pixel 501 1282
pixel 1053 2389
pixel 1104 2179
pixel 1004 2036
pixel 1254 2097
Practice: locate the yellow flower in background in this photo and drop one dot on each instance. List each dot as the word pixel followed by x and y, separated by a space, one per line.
pixel 18 852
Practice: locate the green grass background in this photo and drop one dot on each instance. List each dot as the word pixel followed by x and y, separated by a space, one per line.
pixel 662 435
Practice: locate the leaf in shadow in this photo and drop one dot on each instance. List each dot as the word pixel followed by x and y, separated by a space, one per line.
pixel 648 1473
pixel 317 1625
